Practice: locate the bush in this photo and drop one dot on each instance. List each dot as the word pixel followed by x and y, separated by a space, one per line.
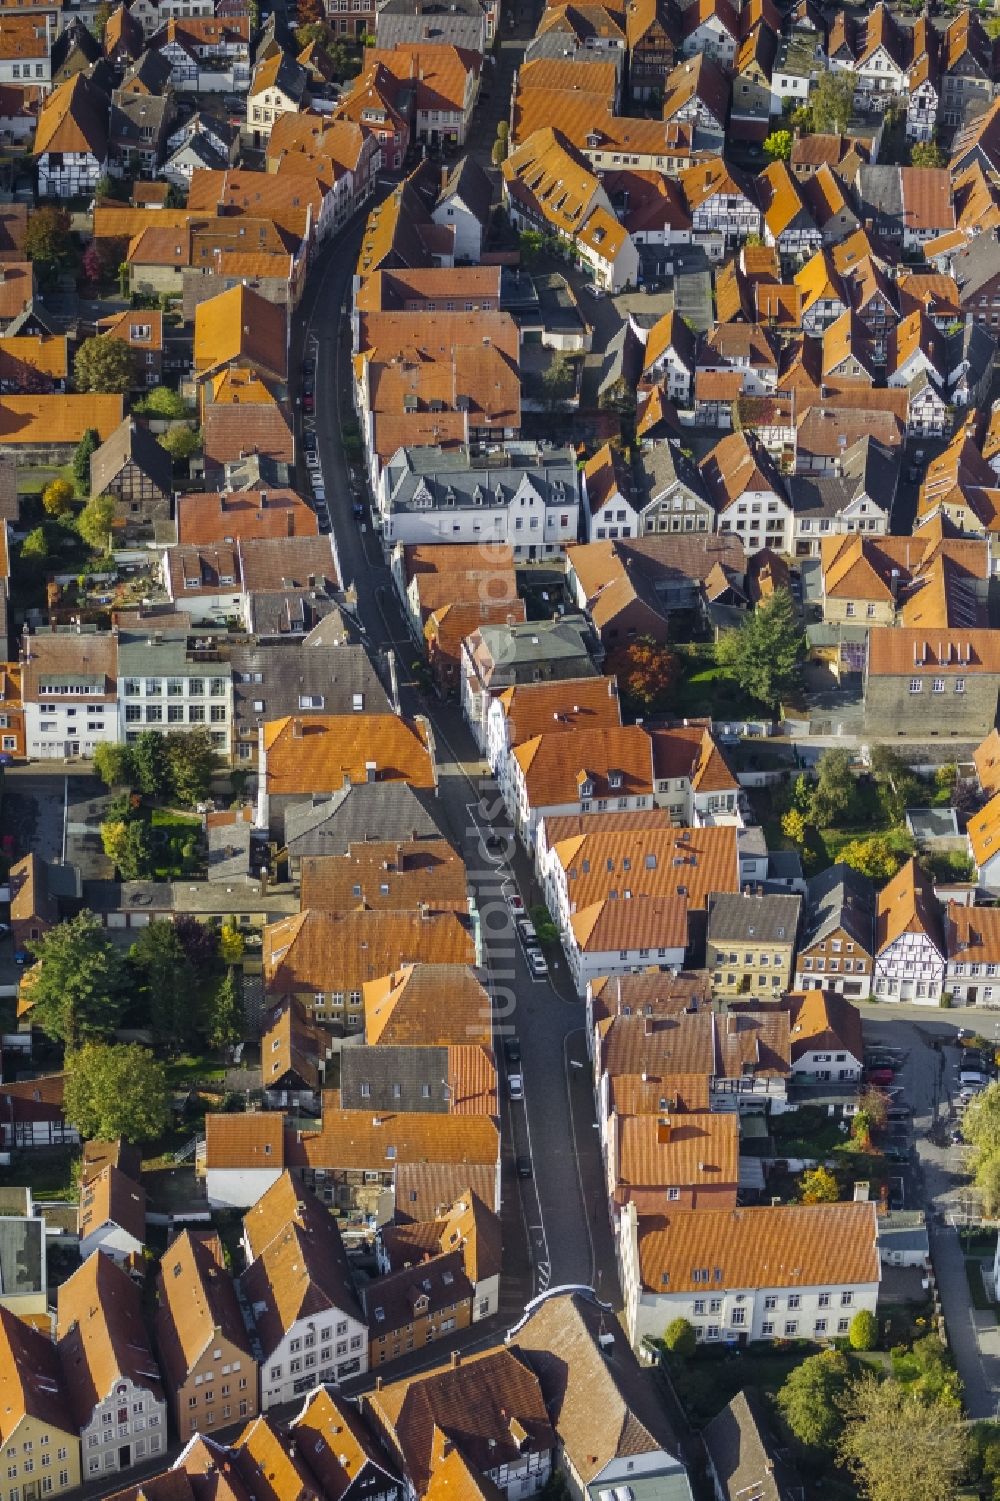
pixel 679 1338
pixel 863 1333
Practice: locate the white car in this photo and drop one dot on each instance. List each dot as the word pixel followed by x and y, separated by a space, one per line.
pixel 537 964
pixel 515 1084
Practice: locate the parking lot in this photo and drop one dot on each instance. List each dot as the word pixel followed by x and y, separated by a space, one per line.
pixel 927 1083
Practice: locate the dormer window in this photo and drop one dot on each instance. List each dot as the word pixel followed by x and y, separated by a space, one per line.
pixel 614 779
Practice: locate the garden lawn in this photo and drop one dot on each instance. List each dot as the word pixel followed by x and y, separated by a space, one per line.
pixel 713 1376
pixel 195 1068
pixel 706 688
pixel 173 831
pixel 49 1170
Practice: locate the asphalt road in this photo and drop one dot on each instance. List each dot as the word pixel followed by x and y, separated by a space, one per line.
pixel 558 1206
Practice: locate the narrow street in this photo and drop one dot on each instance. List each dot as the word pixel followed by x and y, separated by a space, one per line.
pixel 562 1219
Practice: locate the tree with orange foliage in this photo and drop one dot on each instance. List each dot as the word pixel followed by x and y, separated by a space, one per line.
pixel 646 672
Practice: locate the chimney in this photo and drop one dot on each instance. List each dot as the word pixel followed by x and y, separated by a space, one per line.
pixel 456 1359
pixel 296 729
pixel 371 771
pixel 647 1026
pixel 664 1131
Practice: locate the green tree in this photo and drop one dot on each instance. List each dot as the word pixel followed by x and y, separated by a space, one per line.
pixel 646 672
pixel 116 1090
pixel 166 982
pixel 832 101
pixel 937 1380
pixel 113 764
pixel 987 1181
pixel 498 153
pixel 895 1444
pixel 181 442
pixel 35 548
pixel 531 244
pixel 161 401
pixel 151 764
pixel 764 653
pixel 223 1016
pixel 88 444
pixel 778 145
pixel 679 1338
pixel 103 364
pixel 927 154
pixel 96 520
pixel 809 1399
pixel 981 1122
pixel 558 381
pixel 102 16
pixel 875 857
pixel 129 844
pixel 862 1333
pixel 818 1186
pixel 57 497
pixel 47 241
pixel 835 787
pixel 78 983
pixel 192 762
pixel 230 942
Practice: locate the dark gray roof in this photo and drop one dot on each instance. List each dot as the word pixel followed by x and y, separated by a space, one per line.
pixel 132 113
pixel 568 642
pixel 368 811
pixel 743 1456
pixel 152 68
pixel 840 897
pixel 272 680
pixel 258 471
pixel 229 851
pixel 440 28
pixel 291 78
pixel 623 359
pixel 977 263
pixel 277 614
pixel 661 465
pixel 22 1256
pixel 866 468
pixel 76 38
pixel 130 441
pixel 395 1078
pixel 467 183
pixel 737 918
pixel 971 343
pixel 453 479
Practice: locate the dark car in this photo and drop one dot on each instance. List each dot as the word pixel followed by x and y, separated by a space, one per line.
pixel 880 1076
pixel 308 401
pixel 512 1050
pixel 309 441
pixel 358 509
pixel 523 1165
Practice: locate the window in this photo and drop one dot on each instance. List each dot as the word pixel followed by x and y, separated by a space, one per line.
pixel 916 684
pixel 846 1299
pixel 794 1301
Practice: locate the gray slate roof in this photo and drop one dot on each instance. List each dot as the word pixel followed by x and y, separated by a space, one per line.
pixel 735 918
pixel 743 1456
pixel 441 478
pixel 368 811
pixel 867 468
pixel 467 183
pixel 977 263
pixel 290 671
pixel 394 1078
pixel 661 465
pixel 840 897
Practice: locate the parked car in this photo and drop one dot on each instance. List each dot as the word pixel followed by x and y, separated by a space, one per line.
pixel 312 460
pixel 514 900
pixel 523 1165
pixel 526 929
pixel 880 1076
pixel 512 1049
pixel 537 964
pixel 516 1086
pixel 309 440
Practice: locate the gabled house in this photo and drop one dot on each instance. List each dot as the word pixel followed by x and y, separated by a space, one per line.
pixel 610 504
pixel 278 85
pixel 505 1435
pixel 722 204
pixel 711 27
pixel 837 947
pixel 293 1060
pixel 652 43
pixel 137 470
pixel 972 939
pixel 342 1452
pixel 300 1291
pixel 37 1412
pixel 827 1041
pixel 113 1216
pixel 71 141
pixel 112 1378
pixel 748 494
pixel 670 357
pixel 202 1342
pixel 788 222
pixel 242 1157
pixel 909 940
